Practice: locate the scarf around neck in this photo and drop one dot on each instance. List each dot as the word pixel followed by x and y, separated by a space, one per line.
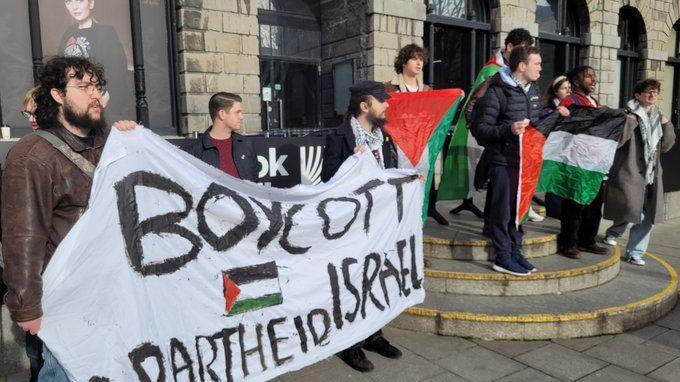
pixel 373 140
pixel 651 132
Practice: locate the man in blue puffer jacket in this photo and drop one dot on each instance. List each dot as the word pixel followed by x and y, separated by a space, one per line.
pixel 511 103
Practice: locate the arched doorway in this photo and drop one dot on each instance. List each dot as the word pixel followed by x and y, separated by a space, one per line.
pixel 560 25
pixel 458 37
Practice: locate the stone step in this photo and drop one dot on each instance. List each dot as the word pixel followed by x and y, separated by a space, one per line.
pixel 639 295
pixel 462 239
pixel 555 274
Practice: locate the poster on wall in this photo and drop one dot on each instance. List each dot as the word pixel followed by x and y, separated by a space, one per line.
pixel 99 31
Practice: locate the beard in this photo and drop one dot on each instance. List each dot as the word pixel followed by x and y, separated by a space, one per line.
pixel 84 121
pixel 375 120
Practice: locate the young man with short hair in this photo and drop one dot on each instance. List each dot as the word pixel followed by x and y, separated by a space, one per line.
pixel 220 146
pixel 511 103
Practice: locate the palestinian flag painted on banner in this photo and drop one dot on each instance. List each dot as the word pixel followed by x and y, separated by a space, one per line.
pixel 464 152
pixel 418 124
pixel 580 151
pixel 251 288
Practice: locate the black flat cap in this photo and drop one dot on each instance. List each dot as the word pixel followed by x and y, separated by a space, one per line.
pixel 372 88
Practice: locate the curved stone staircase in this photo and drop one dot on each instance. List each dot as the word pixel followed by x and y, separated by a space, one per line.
pixel 564 298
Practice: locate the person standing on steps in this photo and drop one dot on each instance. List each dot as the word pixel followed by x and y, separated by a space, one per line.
pixel 511 103
pixel 633 196
pixel 409 66
pixel 578 223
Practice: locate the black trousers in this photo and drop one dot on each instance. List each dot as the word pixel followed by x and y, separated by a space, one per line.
pixel 501 210
pixel 579 223
pixel 370 338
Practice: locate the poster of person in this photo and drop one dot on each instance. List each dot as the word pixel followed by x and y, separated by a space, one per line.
pixel 100 31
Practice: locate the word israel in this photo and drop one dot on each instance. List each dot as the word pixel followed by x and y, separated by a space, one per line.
pixel 179 272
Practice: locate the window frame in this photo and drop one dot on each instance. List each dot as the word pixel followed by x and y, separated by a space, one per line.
pixel 569 42
pixel 629 56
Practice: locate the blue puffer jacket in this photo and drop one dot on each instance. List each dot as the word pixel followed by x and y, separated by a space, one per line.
pixel 504 103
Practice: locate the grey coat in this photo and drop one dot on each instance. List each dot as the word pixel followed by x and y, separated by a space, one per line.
pixel 625 188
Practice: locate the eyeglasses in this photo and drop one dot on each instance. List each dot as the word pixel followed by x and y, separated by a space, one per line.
pixel 89 88
pixel 652 92
pixel 27 114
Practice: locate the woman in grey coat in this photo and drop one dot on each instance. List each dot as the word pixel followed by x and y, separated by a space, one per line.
pixel 634 191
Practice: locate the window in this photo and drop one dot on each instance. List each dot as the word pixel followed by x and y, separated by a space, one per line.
pixel 631 28
pixel 290 58
pixel 560 23
pixel 671 108
pixel 37 29
pixel 458 37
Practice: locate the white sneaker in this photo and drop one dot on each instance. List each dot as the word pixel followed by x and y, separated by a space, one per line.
pixel 636 261
pixel 534 216
pixel 610 241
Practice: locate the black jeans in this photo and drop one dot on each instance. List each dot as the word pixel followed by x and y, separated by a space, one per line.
pixel 34 348
pixel 579 223
pixel 370 338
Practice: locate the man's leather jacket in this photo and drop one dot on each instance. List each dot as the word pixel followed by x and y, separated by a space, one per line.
pixel 43 195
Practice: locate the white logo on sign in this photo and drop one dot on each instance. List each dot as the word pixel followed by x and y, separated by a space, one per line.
pixel 311 158
pixel 272 165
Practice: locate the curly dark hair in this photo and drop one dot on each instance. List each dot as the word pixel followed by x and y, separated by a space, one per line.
pixel 55 75
pixel 645 85
pixel 408 52
pixel 518 37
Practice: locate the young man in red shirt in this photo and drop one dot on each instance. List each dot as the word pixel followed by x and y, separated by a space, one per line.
pixel 220 146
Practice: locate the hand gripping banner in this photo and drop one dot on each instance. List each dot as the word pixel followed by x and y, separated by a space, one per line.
pixel 178 271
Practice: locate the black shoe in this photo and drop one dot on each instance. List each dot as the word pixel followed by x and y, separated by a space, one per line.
pixel 434 214
pixel 593 248
pixel 383 347
pixel 356 359
pixel 571 253
pixel 523 262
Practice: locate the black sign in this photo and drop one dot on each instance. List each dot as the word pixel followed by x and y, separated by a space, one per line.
pixel 286 162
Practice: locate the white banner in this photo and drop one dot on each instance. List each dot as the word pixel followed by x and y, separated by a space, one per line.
pixel 180 272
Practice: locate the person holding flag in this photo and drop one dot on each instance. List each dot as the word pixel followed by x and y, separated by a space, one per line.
pixel 509 106
pixel 463 152
pixel 633 196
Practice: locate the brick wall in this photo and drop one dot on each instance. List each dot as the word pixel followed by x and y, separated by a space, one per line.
pixel 218 51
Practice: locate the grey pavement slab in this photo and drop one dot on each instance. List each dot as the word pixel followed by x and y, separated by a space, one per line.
pixel 668 372
pixel 671 320
pixel 633 284
pixel 528 375
pixel 512 348
pixel 613 373
pixel 410 367
pixel 447 377
pixel 329 370
pixel 581 344
pixel 429 346
pixel 561 362
pixel 638 358
pixel 643 334
pixel 668 341
pixel 480 364
pixel 18 377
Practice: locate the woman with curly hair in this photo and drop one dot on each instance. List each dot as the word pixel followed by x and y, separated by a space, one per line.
pixel 408 64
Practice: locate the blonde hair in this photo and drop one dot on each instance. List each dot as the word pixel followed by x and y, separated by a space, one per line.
pixel 29 95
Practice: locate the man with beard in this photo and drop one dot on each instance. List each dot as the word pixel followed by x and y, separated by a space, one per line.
pixel 362 131
pixel 44 192
pixel 579 223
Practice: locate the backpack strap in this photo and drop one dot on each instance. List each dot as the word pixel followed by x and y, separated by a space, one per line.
pixel 83 164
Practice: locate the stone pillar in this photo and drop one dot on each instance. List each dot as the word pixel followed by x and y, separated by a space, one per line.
pixel 392 24
pixel 602 43
pixel 218 51
pixel 510 14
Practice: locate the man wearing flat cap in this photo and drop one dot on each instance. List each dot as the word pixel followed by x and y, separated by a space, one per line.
pixel 362 130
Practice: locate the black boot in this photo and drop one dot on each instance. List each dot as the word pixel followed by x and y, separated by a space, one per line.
pixel 383 347
pixel 356 359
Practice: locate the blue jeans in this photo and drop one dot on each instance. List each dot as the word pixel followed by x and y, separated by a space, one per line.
pixel 51 370
pixel 640 233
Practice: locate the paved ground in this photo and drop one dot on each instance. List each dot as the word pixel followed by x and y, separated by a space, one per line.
pixel 647 354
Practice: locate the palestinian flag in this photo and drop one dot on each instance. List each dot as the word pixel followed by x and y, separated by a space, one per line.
pixel 418 124
pixel 464 152
pixel 251 288
pixel 580 151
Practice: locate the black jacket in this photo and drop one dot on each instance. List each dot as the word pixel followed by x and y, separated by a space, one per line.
pixel 340 146
pixel 244 156
pixel 494 114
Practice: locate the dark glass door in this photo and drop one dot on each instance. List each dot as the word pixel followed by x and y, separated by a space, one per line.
pixel 293 87
pixel 451 57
